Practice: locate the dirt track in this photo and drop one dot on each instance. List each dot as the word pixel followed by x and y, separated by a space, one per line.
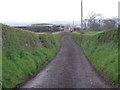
pixel 69 69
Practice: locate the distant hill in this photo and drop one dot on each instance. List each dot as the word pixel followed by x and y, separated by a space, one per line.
pixel 66 22
pixel 41 23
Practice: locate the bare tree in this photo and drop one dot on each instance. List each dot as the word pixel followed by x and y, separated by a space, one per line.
pixel 94 21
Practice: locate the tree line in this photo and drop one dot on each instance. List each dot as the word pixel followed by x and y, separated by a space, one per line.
pixel 96 22
pixel 40 28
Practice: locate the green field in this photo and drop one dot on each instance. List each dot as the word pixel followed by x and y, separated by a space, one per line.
pixel 101 48
pixel 24 53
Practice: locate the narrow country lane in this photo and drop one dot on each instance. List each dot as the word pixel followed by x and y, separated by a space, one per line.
pixel 69 69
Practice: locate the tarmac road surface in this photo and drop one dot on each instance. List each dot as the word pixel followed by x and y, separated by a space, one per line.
pixel 69 69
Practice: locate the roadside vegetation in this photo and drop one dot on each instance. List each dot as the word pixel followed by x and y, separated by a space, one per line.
pixel 101 48
pixel 24 53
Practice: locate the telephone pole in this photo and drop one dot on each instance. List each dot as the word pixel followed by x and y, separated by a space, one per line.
pixel 73 21
pixel 81 15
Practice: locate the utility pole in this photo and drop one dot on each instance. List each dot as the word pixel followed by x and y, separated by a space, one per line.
pixel 81 15
pixel 73 24
pixel 73 21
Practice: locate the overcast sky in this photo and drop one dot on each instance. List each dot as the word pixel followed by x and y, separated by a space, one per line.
pixel 53 10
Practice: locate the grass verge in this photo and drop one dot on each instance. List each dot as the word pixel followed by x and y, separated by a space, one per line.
pixel 24 53
pixel 102 50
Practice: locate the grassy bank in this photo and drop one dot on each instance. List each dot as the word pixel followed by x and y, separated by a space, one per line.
pixel 24 53
pixel 102 50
